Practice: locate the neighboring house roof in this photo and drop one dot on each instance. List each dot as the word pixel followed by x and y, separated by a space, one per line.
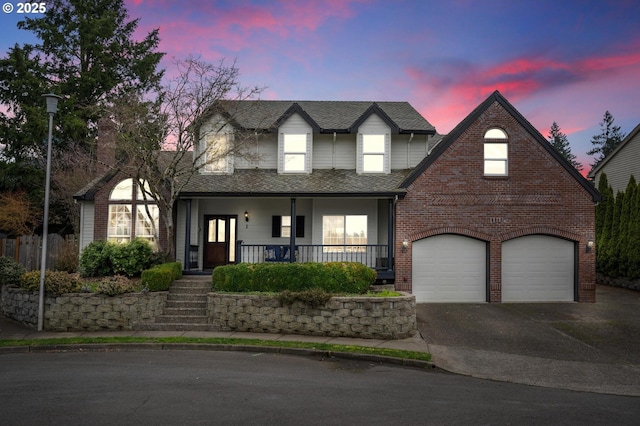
pixel 623 144
pixel 450 138
pixel 323 116
pixel 89 191
pixel 268 182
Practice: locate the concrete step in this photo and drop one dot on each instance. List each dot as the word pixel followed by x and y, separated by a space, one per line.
pixel 176 327
pixel 189 289
pixel 173 297
pixel 195 304
pixel 181 319
pixel 182 311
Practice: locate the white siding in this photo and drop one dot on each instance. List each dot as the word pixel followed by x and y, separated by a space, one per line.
pixel 260 210
pixel 622 165
pixel 345 158
pixel 87 215
pixel 323 151
pixel 405 154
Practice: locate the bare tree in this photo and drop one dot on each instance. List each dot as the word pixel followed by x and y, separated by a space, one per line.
pixel 161 138
pixel 72 169
pixel 17 214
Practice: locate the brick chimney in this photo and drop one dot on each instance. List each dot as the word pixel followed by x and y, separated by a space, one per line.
pixel 106 145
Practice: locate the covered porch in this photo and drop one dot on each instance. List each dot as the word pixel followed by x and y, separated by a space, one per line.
pixel 217 231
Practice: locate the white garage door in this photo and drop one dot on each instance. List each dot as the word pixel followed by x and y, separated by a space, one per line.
pixel 538 268
pixel 449 268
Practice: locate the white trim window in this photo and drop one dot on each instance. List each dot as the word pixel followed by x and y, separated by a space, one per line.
pixel 496 153
pixel 373 153
pixel 217 157
pixel 295 153
pixel 123 225
pixel 344 233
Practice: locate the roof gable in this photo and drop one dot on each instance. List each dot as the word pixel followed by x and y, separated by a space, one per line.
pixel 462 127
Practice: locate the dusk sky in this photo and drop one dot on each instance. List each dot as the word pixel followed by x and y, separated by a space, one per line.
pixel 560 60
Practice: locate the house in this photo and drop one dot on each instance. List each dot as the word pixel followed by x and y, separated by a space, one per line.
pixel 494 213
pixel 488 213
pixel 620 164
pixel 322 185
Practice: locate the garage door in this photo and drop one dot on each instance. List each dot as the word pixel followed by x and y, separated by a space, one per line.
pixel 449 268
pixel 538 268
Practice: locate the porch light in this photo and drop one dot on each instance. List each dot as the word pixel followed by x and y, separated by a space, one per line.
pixel 246 216
pixel 590 245
pixel 405 244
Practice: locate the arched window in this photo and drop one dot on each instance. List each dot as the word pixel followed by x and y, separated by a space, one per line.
pixel 496 152
pixel 131 213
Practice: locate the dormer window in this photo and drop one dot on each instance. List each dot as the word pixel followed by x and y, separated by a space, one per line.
pixel 373 153
pixel 295 153
pixel 496 153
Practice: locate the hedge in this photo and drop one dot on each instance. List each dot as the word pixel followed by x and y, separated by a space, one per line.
pixel 333 277
pixel 160 277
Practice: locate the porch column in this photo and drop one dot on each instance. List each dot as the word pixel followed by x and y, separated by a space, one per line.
pixel 292 237
pixel 187 238
pixel 390 241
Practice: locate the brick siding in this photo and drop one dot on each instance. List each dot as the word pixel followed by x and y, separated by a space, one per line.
pixel 538 197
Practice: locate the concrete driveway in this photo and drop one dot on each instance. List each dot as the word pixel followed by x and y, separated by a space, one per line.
pixel 590 347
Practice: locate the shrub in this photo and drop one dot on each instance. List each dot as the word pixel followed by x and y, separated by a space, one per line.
pixel 10 271
pixel 131 258
pixel 95 260
pixel 334 277
pixel 112 286
pixel 103 258
pixel 55 282
pixel 160 277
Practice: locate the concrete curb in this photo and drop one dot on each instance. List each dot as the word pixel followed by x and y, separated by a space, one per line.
pixel 102 347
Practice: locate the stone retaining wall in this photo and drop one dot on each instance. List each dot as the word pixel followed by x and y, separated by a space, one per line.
pixel 362 317
pixel 618 282
pixel 83 311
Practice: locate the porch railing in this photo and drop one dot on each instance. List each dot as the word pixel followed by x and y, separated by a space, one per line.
pixel 374 256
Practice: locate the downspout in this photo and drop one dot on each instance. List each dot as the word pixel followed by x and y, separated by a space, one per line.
pixel 187 238
pixel 390 241
pixel 409 151
pixel 333 159
pixel 292 237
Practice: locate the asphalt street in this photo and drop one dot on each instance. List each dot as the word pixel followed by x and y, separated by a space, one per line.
pixel 253 388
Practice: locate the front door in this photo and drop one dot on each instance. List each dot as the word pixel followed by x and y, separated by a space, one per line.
pixel 219 240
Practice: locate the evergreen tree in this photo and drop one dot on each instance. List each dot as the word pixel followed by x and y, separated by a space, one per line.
pixel 607 140
pixel 626 217
pixel 604 219
pixel 633 238
pixel 612 267
pixel 85 53
pixel 560 142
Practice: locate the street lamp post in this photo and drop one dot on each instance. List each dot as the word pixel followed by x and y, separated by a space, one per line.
pixel 52 108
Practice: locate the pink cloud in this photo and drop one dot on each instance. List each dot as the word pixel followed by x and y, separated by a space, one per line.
pixel 459 87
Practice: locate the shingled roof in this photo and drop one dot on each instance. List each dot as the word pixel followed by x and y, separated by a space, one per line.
pixel 324 116
pixel 268 182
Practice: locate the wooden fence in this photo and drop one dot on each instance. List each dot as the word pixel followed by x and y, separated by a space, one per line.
pixel 27 250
